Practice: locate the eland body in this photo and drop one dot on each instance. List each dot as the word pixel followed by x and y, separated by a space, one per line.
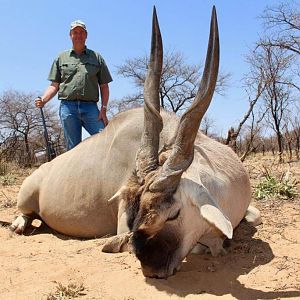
pixel 151 179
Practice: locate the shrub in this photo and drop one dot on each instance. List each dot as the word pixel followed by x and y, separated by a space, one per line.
pixel 272 187
pixel 72 290
pixel 8 179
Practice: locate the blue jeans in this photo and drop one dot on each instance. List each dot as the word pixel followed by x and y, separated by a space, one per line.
pixel 77 114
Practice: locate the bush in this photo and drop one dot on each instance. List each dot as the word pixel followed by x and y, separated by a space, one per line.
pixel 8 179
pixel 72 290
pixel 271 187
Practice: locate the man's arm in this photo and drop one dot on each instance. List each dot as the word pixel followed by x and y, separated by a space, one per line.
pixel 49 93
pixel 104 92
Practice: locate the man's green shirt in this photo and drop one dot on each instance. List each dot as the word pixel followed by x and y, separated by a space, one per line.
pixel 79 76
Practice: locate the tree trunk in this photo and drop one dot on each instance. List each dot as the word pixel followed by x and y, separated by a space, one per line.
pixel 280 150
pixel 27 150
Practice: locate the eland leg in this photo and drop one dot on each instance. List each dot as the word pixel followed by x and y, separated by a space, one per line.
pixel 118 243
pixel 21 223
pixel 214 244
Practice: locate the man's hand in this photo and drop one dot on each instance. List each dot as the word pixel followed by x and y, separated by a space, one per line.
pixel 39 102
pixel 48 95
pixel 102 116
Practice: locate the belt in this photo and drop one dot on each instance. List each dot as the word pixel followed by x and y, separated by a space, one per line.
pixel 78 100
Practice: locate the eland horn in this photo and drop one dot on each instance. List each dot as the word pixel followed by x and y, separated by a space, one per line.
pixel 147 155
pixel 182 153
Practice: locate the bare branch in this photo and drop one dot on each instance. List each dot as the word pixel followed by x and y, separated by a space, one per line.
pixel 179 80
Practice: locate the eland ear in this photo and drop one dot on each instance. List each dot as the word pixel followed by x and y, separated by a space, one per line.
pixel 116 198
pixel 126 191
pixel 207 205
pixel 213 215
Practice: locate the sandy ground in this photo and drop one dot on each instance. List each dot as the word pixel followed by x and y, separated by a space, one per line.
pixel 262 262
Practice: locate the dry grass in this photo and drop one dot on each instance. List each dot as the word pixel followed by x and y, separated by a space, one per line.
pixel 11 177
pixel 7 202
pixel 259 166
pixel 70 291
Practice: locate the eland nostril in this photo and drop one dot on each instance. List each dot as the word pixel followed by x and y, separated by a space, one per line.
pixel 160 276
pixel 150 274
pixel 147 272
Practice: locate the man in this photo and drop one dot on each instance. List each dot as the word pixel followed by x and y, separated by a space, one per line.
pixel 77 75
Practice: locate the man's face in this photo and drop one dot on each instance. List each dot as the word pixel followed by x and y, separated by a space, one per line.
pixel 78 36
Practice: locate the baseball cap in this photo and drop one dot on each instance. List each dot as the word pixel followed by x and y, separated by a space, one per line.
pixel 78 23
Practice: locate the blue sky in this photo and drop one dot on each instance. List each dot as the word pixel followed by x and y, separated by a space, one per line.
pixel 34 32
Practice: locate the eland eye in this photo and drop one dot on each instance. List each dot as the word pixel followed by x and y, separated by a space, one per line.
pixel 174 217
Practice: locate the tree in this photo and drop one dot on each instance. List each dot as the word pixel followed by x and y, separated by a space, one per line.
pixel 21 126
pixel 282 24
pixel 234 133
pixel 272 65
pixel 179 81
pixel 271 82
pixel 282 31
pixel 292 134
pixel 207 125
pixel 255 85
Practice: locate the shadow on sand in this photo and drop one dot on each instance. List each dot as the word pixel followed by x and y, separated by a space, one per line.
pixel 41 228
pixel 204 274
pixel 218 276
